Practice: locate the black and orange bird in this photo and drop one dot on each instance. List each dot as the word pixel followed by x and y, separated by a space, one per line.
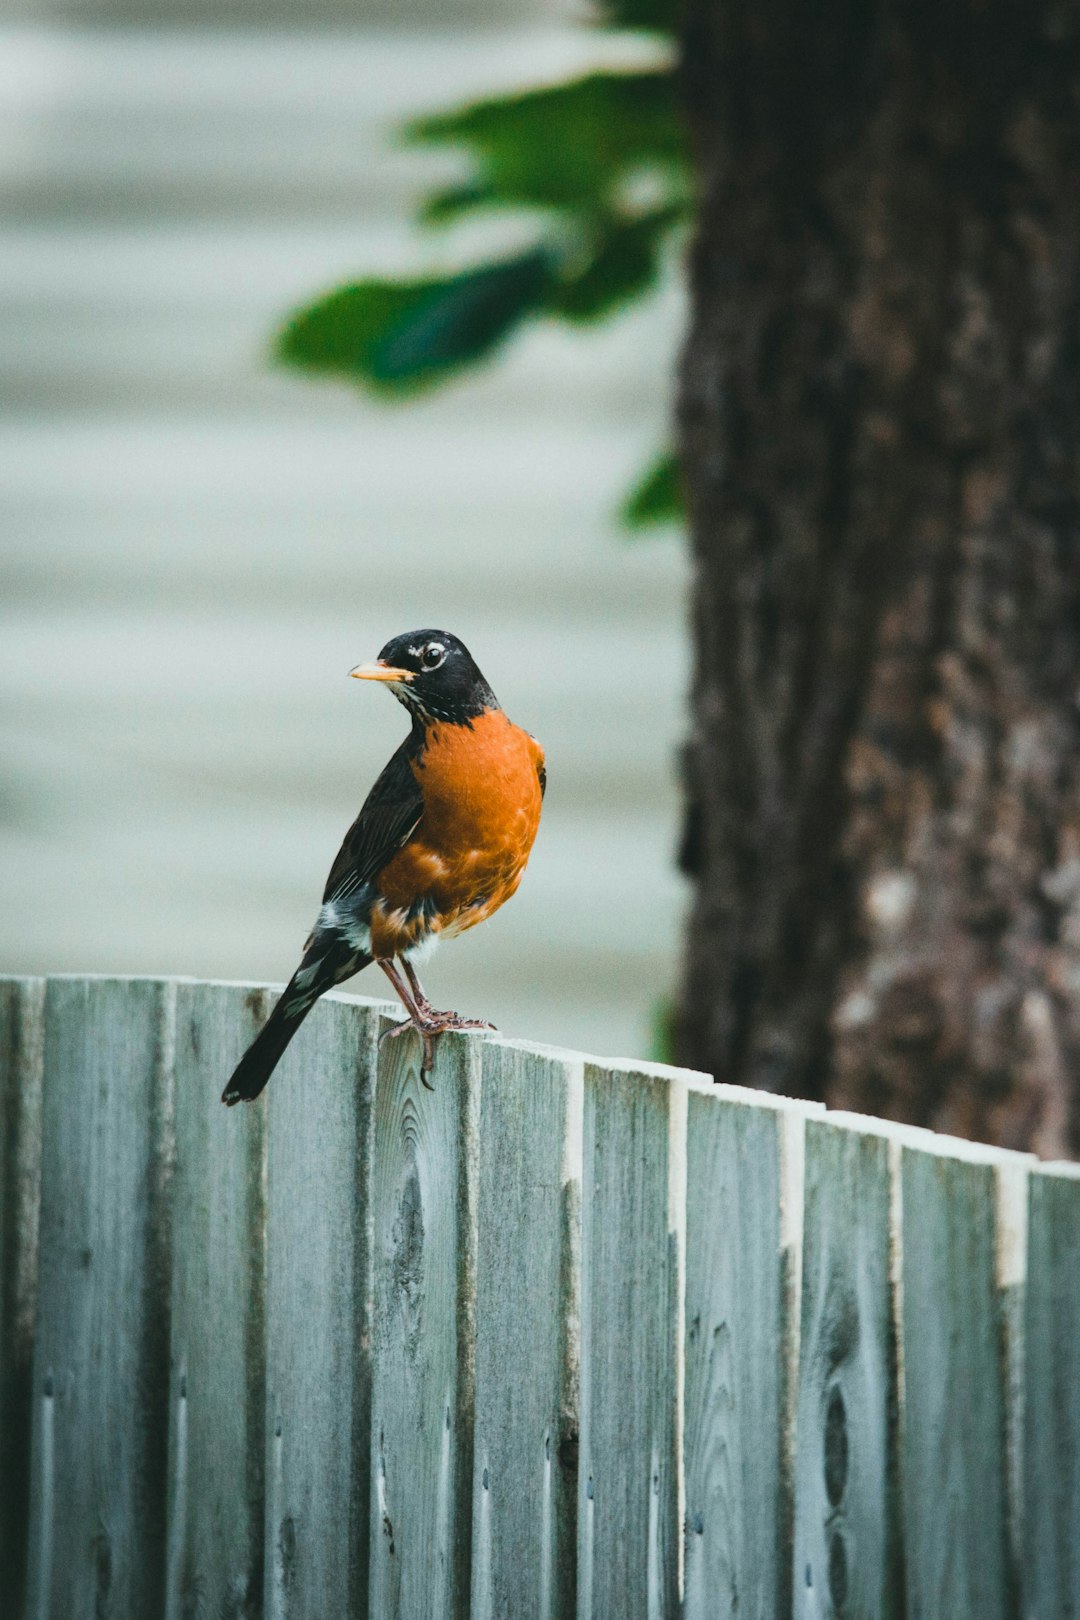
pixel 441 842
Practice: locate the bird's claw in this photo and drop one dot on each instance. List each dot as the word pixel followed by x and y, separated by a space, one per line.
pixel 426 1033
pixel 437 1024
pixel 397 1029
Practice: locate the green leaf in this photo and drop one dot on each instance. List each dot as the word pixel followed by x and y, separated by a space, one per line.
pixel 657 498
pixel 621 266
pixel 567 145
pixel 400 336
pixel 660 16
pixel 443 207
pixel 664 1030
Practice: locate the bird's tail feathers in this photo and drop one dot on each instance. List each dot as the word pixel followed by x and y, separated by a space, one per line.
pixel 303 990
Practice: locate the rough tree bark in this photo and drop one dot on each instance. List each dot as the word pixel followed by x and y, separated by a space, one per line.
pixel 880 427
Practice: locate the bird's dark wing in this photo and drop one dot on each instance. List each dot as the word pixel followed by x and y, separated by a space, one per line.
pixel 390 816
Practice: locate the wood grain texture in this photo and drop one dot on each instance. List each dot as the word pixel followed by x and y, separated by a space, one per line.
pixel 847 1528
pixel 528 1203
pixel 423 1329
pixel 335 1353
pixel 21 1060
pixel 216 1366
pixel 628 1493
pixel 1052 1396
pixel 740 1315
pixel 954 1426
pixel 1012 1173
pixel 318 1317
pixel 98 1465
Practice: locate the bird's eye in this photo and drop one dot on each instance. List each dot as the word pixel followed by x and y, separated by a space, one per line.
pixel 433 655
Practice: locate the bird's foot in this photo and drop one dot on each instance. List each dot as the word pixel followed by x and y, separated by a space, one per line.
pixel 448 1020
pixel 453 1020
pixel 432 1023
pixel 427 1033
pixel 397 1029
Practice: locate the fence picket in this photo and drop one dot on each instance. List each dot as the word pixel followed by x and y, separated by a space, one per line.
pixel 958 1378
pixel 528 1257
pixel 847 1529
pixel 741 1313
pixel 633 1206
pixel 1052 1395
pixel 318 1316
pixel 216 1362
pixel 424 1269
pixel 22 1005
pixel 98 1463
pixel 557 1337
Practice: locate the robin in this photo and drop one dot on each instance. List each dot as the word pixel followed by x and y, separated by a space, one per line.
pixel 441 842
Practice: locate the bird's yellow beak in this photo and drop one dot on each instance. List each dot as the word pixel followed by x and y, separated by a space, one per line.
pixel 379 671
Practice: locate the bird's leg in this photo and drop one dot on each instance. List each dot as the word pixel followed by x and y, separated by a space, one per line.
pixel 418 1019
pixel 444 1020
pixel 419 997
pixel 427 1020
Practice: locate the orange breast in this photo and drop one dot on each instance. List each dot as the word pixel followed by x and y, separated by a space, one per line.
pixel 482 796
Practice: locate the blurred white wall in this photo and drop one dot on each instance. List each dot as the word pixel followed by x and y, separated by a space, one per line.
pixel 194 548
pixel 310 14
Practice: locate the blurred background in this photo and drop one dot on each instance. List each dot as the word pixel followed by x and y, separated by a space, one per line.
pixel 198 544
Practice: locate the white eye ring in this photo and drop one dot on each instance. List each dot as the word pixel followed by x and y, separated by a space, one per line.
pixel 433 655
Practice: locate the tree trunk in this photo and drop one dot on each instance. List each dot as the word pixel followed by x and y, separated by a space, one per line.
pixel 880 426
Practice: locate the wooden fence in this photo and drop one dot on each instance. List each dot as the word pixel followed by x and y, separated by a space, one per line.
pixel 562 1337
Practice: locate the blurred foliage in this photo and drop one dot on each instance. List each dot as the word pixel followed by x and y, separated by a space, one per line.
pixel 657 498
pixel 664 1031
pixel 659 15
pixel 399 336
pixel 568 146
pixel 596 168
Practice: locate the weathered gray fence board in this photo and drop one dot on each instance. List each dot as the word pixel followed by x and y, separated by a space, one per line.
pixel 97 1531
pixel 1052 1396
pixel 21 1057
pixel 424 1268
pixel 847 1529
pixel 333 1353
pixel 740 1315
pixel 215 1505
pixel 1012 1174
pixel 633 1200
pixel 956 1389
pixel 528 1200
pixel 318 1317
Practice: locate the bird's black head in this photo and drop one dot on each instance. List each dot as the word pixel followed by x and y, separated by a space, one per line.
pixel 433 674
